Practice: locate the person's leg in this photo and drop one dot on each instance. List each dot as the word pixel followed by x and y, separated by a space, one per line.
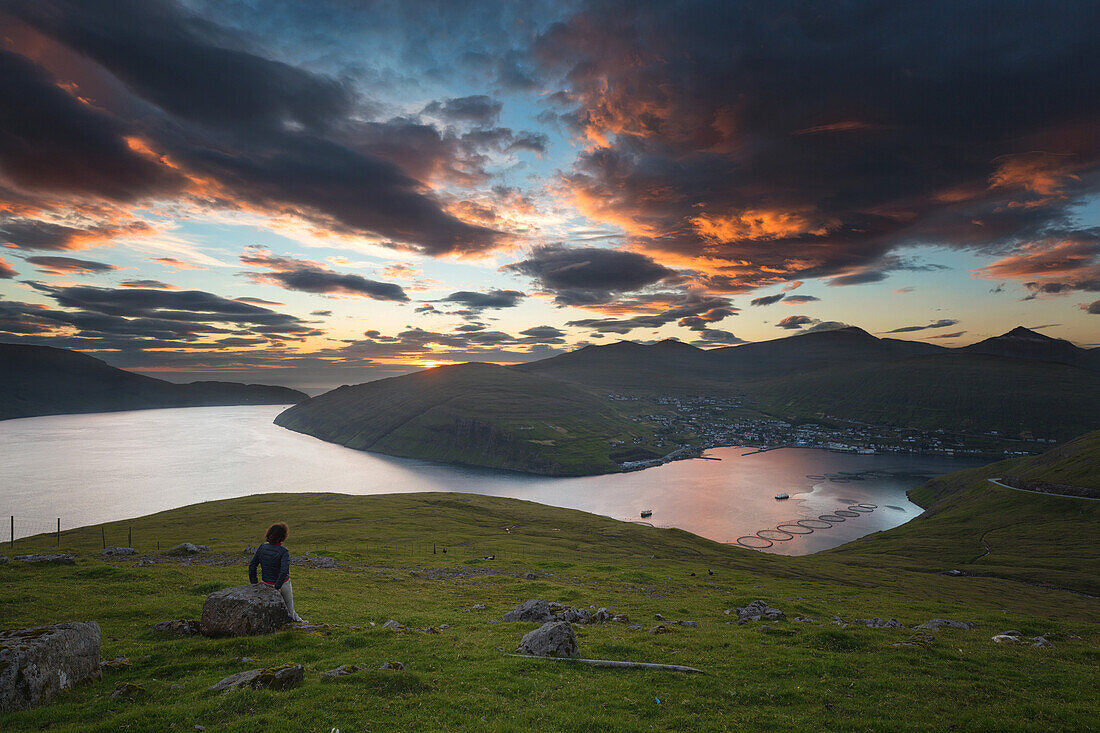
pixel 288 598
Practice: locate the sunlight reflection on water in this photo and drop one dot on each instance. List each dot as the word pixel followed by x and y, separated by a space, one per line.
pixel 108 466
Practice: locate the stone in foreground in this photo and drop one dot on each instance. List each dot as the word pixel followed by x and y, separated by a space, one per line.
pixel 341 671
pixel 758 611
pixel 536 610
pixel 56 558
pixel 553 639
pixel 188 548
pixel 35 664
pixel 247 610
pixel 939 623
pixel 272 678
pixel 118 551
pixel 181 627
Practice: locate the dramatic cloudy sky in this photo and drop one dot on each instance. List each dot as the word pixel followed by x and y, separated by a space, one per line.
pixel 315 193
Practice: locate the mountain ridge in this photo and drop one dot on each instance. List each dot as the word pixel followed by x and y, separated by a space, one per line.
pixel 43 380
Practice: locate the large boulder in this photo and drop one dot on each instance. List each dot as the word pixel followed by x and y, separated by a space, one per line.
pixel 554 639
pixel 35 664
pixel 536 610
pixel 246 610
pixel 118 551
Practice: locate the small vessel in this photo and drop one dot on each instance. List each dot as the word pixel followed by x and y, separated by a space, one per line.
pixel 780 497
pixel 647 513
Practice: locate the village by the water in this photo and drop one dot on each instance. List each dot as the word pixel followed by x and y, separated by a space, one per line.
pixel 693 424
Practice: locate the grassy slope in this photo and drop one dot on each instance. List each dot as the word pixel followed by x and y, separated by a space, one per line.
pixel 478 414
pixel 1072 464
pixel 802 677
pixel 972 393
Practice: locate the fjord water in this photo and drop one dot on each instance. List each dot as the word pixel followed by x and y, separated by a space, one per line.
pixel 102 467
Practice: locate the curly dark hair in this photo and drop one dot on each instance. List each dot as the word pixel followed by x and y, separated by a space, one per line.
pixel 277 532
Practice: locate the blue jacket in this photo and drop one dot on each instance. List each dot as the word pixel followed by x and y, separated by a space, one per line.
pixel 274 562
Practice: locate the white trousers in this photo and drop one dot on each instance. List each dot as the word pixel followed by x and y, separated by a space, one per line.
pixel 288 598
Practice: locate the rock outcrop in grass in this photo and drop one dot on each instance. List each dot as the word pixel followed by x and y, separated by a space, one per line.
pixel 36 664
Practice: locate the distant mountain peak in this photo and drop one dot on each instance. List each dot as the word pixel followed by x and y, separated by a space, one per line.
pixel 846 331
pixel 1020 332
pixel 672 344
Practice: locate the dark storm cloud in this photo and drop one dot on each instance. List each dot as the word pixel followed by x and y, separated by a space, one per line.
pixel 25 233
pixel 156 284
pixel 5 270
pixel 692 309
pixel 102 313
pixel 812 139
pixel 942 323
pixel 1093 307
pixel 954 335
pixel 543 332
pixel 417 343
pixel 311 277
pixel 50 141
pixel 265 133
pixel 428 153
pixel 532 142
pixel 800 299
pixel 478 109
pixel 480 301
pixel 768 299
pixel 320 313
pixel 186 65
pixel 588 275
pixel 153 302
pixel 69 265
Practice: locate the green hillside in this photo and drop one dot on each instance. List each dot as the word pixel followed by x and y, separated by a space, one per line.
pixel 458 674
pixel 987 531
pixel 956 392
pixel 1062 470
pixel 477 414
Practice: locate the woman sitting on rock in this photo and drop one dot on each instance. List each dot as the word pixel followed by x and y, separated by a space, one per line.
pixel 274 562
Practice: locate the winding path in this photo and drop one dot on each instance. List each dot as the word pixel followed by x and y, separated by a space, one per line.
pixel 997 482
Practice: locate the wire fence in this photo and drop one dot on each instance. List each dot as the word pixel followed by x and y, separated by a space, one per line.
pixel 36 532
pixel 23 535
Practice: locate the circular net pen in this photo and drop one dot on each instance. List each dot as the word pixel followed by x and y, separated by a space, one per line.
pixel 831 518
pixel 753 542
pixel 813 524
pixel 775 535
pixel 794 528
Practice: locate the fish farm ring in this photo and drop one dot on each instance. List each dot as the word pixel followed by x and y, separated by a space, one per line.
pixel 752 537
pixel 803 530
pixel 762 535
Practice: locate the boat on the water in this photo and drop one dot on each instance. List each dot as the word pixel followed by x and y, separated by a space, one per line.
pixel 647 513
pixel 782 496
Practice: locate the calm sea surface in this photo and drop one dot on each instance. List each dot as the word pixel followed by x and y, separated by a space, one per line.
pixel 88 469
